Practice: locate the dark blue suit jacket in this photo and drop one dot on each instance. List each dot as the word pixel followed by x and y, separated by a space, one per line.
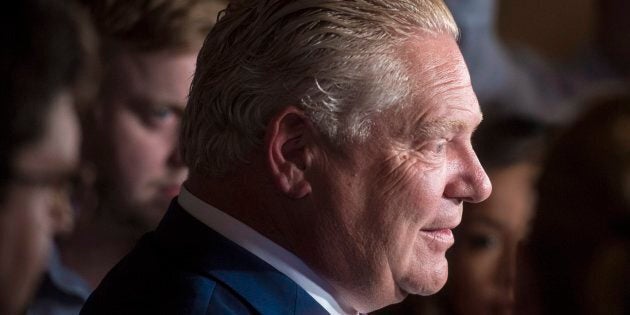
pixel 184 267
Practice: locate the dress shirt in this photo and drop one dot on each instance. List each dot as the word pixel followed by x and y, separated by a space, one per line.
pixel 262 247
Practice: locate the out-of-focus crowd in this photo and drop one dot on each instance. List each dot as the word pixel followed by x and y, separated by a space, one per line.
pixel 92 97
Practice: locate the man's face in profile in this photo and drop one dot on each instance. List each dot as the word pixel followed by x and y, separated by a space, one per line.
pixel 399 195
pixel 146 96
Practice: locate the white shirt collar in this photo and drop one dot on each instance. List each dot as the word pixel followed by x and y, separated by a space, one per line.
pixel 262 247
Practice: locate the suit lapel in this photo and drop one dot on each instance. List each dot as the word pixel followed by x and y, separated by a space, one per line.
pixel 195 247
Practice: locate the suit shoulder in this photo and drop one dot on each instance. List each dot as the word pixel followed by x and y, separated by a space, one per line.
pixel 147 282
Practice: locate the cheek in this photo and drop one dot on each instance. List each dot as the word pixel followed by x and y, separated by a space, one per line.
pixel 408 196
pixel 473 276
pixel 409 189
pixel 37 226
pixel 405 195
pixel 27 232
pixel 140 152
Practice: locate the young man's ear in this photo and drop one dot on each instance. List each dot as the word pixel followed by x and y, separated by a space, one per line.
pixel 288 137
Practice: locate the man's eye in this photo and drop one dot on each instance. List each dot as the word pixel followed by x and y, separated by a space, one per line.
pixel 435 147
pixel 439 147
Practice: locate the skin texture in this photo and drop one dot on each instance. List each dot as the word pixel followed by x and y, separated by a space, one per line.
pixel 32 213
pixel 139 125
pixel 383 210
pixel 483 263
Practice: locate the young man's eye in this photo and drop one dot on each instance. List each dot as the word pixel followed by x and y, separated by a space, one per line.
pixel 154 114
pixel 161 112
pixel 160 116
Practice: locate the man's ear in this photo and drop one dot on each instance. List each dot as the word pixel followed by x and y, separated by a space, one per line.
pixel 289 136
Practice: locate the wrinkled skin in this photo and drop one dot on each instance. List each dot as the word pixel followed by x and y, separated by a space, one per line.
pixel 386 207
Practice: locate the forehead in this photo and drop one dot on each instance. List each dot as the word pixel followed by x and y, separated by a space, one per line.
pixel 163 76
pixel 441 92
pixel 511 205
pixel 58 149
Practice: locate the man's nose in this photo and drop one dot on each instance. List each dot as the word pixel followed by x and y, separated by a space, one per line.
pixel 470 183
pixel 175 158
pixel 480 182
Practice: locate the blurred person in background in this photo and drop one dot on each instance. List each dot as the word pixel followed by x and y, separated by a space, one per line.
pixel 605 60
pixel 506 80
pixel 44 61
pixel 613 35
pixel 148 49
pixel 483 261
pixel 514 79
pixel 579 247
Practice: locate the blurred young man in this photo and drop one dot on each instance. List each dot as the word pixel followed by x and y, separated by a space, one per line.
pixel 149 49
pixel 330 157
pixel 46 47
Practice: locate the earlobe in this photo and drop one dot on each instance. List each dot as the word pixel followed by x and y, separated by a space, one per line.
pixel 287 143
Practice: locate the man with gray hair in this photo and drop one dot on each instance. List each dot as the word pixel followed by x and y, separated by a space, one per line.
pixel 329 151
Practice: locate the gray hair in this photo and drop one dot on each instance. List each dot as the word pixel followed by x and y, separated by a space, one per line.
pixel 335 59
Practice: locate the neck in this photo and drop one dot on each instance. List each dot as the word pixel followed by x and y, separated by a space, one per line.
pixel 274 220
pixel 284 221
pixel 236 197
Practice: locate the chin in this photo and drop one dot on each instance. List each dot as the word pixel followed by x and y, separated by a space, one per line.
pixel 427 282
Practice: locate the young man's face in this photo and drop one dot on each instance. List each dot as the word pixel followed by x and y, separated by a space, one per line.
pixel 35 204
pixel 139 122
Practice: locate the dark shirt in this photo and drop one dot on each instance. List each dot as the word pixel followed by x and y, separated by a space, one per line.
pixel 62 292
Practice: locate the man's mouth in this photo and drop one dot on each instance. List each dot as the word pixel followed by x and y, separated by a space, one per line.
pixel 439 239
pixel 170 191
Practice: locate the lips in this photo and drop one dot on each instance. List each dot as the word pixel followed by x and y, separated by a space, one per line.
pixel 438 240
pixel 170 191
pixel 444 235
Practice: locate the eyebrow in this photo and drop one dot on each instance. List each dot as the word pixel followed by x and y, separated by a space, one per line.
pixel 439 127
pixel 143 103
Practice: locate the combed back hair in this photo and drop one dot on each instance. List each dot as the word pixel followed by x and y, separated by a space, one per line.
pixel 151 25
pixel 337 60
